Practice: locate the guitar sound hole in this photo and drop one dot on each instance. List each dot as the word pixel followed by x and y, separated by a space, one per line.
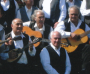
pixel 78 38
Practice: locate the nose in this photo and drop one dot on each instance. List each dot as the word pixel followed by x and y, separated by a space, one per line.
pixel 19 25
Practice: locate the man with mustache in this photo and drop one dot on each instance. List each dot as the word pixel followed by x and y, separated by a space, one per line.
pixel 39 25
pixel 22 65
pixel 25 12
pixel 55 59
pixel 66 28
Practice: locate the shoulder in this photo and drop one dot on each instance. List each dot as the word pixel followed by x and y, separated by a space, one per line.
pixel 25 35
pixel 34 7
pixel 8 35
pixel 22 8
pixel 46 25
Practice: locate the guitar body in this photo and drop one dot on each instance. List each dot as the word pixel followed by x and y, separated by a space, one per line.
pixel 18 56
pixel 74 43
pixel 30 32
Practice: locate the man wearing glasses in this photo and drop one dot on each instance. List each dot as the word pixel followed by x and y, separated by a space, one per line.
pixel 66 28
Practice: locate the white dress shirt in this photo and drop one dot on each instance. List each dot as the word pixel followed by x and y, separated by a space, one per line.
pixel 70 3
pixel 61 27
pixel 41 29
pixel 83 10
pixel 62 7
pixel 45 60
pixel 6 5
pixel 19 44
pixel 28 12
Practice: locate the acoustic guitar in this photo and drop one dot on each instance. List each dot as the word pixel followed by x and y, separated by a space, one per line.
pixel 68 43
pixel 72 44
pixel 30 32
pixel 19 51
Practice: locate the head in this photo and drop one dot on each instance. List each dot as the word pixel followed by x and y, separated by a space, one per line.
pixel 55 38
pixel 74 13
pixel 17 26
pixel 39 17
pixel 70 0
pixel 28 2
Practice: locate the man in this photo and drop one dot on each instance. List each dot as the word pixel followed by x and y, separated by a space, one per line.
pixel 71 3
pixel 25 12
pixel 55 59
pixel 85 11
pixel 54 10
pixel 10 8
pixel 23 63
pixel 38 25
pixel 66 28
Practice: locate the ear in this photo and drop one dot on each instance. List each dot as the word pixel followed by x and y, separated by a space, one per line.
pixel 11 25
pixel 35 18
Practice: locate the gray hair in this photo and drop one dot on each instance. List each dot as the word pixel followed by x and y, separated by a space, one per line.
pixel 35 13
pixel 15 20
pixel 22 0
pixel 74 7
pixel 50 36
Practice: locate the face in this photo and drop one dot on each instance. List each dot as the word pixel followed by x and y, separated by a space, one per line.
pixel 29 2
pixel 40 19
pixel 70 0
pixel 56 39
pixel 74 15
pixel 17 26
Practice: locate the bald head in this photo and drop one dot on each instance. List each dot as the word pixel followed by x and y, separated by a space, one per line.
pixel 17 26
pixel 55 38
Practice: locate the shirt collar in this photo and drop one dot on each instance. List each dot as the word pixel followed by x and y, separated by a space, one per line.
pixel 13 35
pixel 79 21
pixel 28 9
pixel 43 28
pixel 54 47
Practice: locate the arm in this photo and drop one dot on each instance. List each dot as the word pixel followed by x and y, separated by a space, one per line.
pixel 60 28
pixel 45 60
pixel 3 55
pixel 17 7
pixel 3 36
pixel 18 14
pixel 26 23
pixel 87 28
pixel 68 64
pixel 83 9
pixel 32 50
pixel 62 7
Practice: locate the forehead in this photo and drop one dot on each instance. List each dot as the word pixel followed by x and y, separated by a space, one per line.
pixel 39 14
pixel 73 10
pixel 17 21
pixel 56 34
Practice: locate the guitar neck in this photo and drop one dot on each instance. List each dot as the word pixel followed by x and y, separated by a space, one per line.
pixel 44 40
pixel 84 34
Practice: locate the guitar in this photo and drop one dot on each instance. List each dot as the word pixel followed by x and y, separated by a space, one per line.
pixel 15 38
pixel 72 44
pixel 30 32
pixel 19 51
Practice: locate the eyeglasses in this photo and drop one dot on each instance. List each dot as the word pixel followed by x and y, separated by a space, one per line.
pixel 74 14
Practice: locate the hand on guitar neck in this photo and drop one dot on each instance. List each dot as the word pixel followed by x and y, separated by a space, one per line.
pixel 9 42
pixel 75 36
